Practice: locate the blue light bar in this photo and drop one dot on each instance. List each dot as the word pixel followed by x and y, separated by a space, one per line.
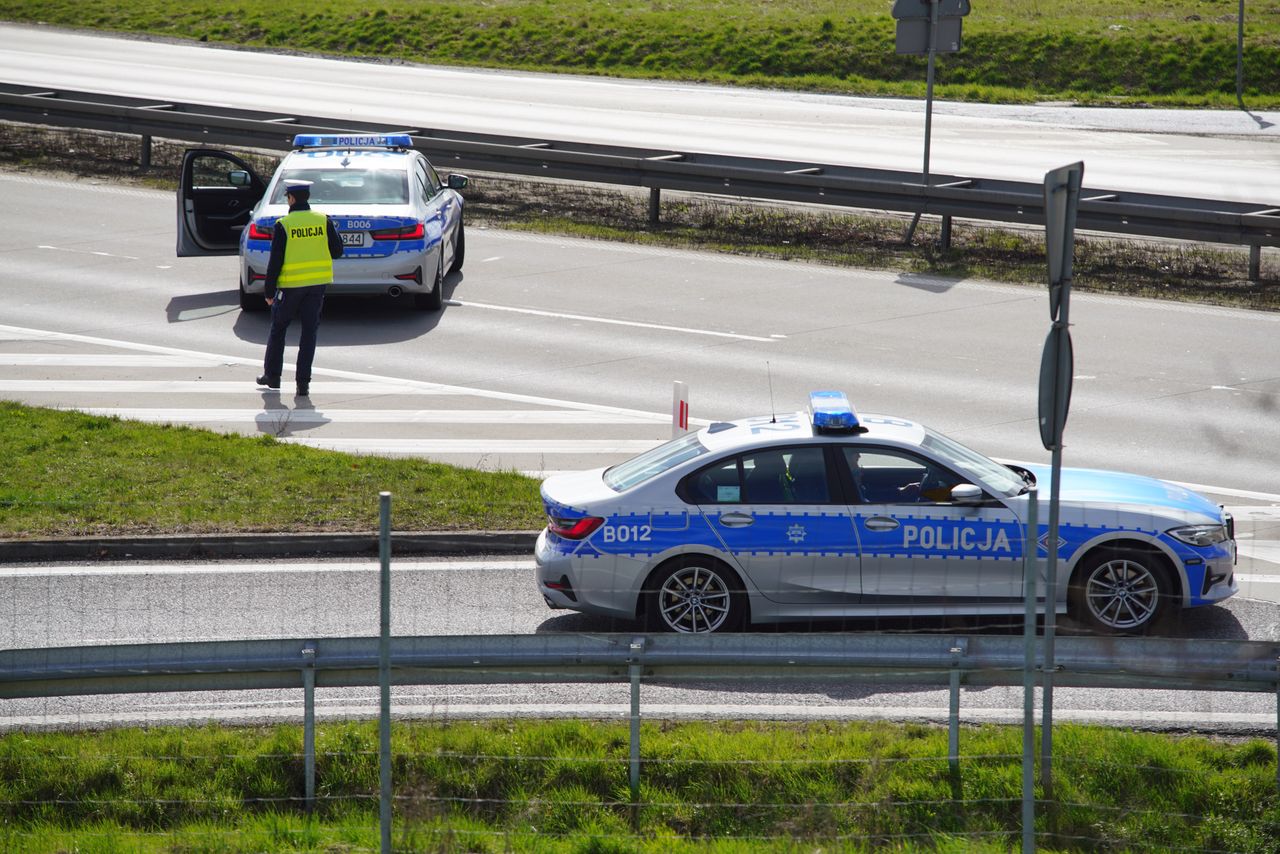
pixel 832 411
pixel 342 140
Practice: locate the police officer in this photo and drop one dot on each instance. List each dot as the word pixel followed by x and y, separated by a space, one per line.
pixel 303 247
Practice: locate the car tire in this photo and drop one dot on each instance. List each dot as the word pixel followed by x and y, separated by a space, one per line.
pixel 251 302
pixel 1121 591
pixel 459 248
pixel 694 595
pixel 433 300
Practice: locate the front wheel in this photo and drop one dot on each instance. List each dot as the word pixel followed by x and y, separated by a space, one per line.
pixel 695 595
pixel 1121 592
pixel 459 248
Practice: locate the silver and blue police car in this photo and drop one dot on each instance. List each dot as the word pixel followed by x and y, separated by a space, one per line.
pixel 827 515
pixel 401 225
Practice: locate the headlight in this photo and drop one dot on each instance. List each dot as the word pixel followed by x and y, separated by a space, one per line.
pixel 1200 535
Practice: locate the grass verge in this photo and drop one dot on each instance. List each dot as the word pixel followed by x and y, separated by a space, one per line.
pixel 1093 51
pixel 71 474
pixel 562 786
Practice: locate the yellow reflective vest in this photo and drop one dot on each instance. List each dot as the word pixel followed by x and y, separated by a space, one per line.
pixel 306 250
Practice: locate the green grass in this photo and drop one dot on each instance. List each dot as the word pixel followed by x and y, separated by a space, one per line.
pixel 1097 51
pixel 71 474
pixel 563 786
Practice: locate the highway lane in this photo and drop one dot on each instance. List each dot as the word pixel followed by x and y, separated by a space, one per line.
pixel 77 604
pixel 1181 392
pixel 1234 152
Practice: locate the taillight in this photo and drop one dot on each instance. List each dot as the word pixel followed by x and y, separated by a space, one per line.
pixel 257 232
pixel 574 529
pixel 408 232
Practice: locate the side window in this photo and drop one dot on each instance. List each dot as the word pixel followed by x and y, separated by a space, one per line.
pixel 420 177
pixel 882 476
pixel 719 483
pixel 433 180
pixel 786 476
pixel 209 172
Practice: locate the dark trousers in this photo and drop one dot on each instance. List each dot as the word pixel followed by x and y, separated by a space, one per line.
pixel 305 305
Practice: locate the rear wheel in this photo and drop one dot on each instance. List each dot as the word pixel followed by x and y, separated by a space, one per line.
pixel 459 248
pixel 695 595
pixel 435 299
pixel 251 302
pixel 1123 592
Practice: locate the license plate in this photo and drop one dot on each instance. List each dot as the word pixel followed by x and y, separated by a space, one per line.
pixel 352 238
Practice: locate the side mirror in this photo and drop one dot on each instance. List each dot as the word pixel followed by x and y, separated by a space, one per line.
pixel 239 178
pixel 966 493
pixel 457 182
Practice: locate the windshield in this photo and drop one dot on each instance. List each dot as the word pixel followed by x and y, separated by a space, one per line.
pixel 652 463
pixel 987 472
pixel 348 186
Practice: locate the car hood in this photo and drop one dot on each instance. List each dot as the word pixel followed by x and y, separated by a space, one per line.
pixel 1094 486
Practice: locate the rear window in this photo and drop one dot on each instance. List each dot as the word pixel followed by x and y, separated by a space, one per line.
pixel 348 186
pixel 652 463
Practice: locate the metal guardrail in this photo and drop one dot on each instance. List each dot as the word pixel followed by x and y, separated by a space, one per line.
pixel 1109 211
pixel 1113 662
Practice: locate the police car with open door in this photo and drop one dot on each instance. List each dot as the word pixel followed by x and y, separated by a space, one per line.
pixel 825 515
pixel 401 225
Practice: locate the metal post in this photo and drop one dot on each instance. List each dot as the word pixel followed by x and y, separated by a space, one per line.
pixel 655 204
pixel 928 86
pixel 309 725
pixel 1278 723
pixel 384 671
pixel 944 239
pixel 1031 573
pixel 637 667
pixel 1240 55
pixel 953 722
pixel 1255 262
pixel 1051 597
pixel 144 158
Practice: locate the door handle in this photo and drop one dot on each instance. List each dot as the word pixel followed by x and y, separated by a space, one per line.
pixel 881 523
pixel 736 520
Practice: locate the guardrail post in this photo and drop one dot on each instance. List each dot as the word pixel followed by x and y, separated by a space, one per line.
pixel 655 204
pixel 309 724
pixel 636 668
pixel 944 237
pixel 1255 262
pixel 144 157
pixel 953 720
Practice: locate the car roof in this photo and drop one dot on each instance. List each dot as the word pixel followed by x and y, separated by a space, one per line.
pixel 797 428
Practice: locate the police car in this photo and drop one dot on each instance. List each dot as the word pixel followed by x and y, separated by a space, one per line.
pixel 401 225
pixel 827 515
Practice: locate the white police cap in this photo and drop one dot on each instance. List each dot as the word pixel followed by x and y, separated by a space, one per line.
pixel 294 185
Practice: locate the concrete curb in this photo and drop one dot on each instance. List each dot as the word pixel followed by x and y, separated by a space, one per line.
pixel 218 546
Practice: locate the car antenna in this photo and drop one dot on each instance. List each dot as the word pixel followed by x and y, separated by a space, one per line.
pixel 773 414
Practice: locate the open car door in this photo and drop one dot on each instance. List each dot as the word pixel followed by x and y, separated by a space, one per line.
pixel 216 195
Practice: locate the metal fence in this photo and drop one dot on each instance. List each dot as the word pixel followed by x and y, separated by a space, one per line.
pixel 1100 209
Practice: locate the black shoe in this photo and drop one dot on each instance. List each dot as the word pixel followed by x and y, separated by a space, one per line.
pixel 304 389
pixel 269 382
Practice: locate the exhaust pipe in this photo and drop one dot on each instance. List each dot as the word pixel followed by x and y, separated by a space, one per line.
pixel 394 291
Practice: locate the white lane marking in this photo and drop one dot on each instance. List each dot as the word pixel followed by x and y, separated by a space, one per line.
pixel 418 447
pixel 23 333
pixel 441 707
pixel 105 360
pixel 217 387
pixel 1251 578
pixel 87 252
pixel 586 319
pixel 1224 490
pixel 370 416
pixel 99 570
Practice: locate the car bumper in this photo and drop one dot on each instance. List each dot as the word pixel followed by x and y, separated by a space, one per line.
pixel 588 582
pixel 411 274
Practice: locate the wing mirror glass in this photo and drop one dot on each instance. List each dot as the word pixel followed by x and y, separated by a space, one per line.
pixel 239 178
pixel 458 182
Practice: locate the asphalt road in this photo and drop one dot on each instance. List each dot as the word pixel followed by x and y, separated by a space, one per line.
pixel 157 602
pixel 1216 154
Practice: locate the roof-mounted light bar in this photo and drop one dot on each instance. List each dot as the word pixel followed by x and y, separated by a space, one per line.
pixel 831 410
pixel 344 140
